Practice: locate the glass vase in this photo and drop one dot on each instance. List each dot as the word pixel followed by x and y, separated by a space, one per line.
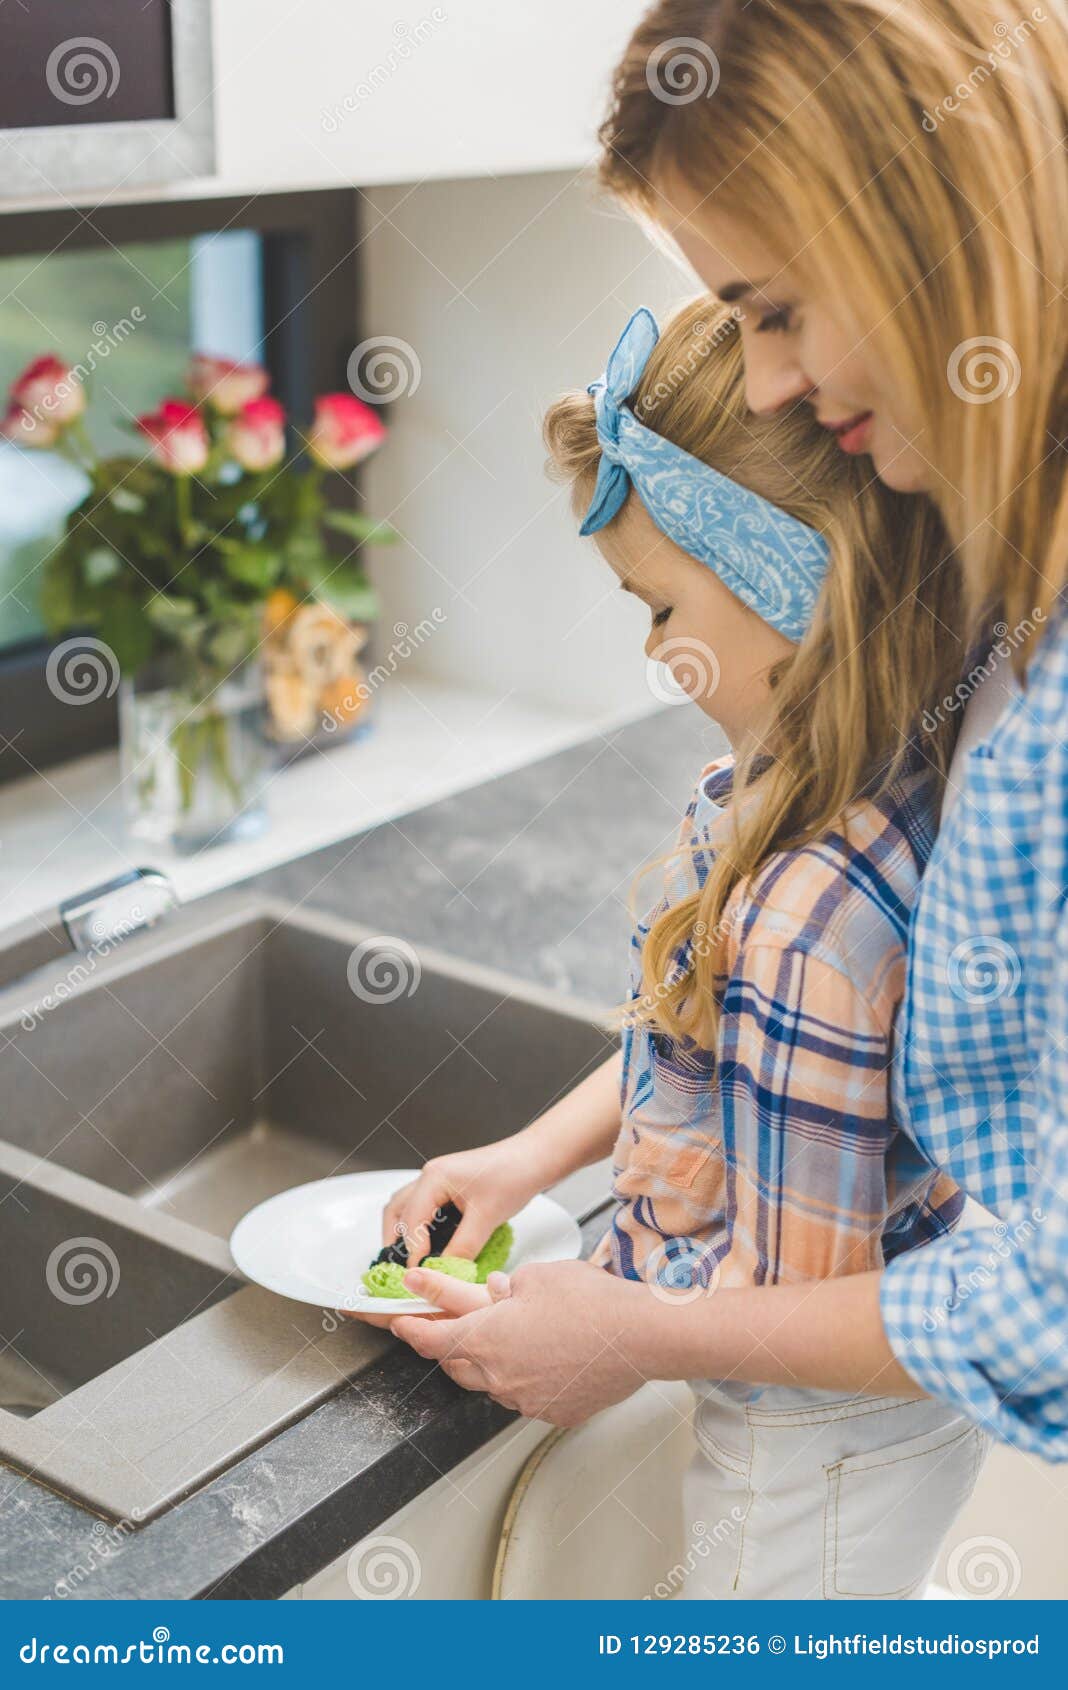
pixel 194 758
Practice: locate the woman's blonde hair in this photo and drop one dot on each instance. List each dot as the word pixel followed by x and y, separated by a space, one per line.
pixel 846 703
pixel 908 157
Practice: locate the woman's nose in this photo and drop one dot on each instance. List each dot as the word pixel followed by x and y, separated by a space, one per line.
pixel 773 379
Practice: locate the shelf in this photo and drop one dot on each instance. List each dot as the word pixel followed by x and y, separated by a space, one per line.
pixel 63 831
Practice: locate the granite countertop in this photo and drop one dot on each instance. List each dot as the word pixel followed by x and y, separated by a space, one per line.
pixel 530 873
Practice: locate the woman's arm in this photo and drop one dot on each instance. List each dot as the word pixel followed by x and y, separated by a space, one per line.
pixel 564 1340
pixel 981 1318
pixel 826 1336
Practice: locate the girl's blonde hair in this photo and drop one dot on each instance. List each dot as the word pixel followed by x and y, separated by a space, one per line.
pixel 907 157
pixel 846 703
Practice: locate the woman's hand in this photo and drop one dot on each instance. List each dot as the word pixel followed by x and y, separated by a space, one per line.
pixel 488 1185
pixel 561 1341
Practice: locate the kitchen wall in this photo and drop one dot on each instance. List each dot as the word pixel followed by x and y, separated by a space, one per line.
pixel 506 291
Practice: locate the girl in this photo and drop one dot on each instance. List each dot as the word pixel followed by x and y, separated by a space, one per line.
pixel 756 1144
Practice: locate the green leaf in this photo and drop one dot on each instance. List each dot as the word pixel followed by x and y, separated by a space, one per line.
pixel 363 529
pixel 349 592
pixel 229 643
pixel 171 614
pixel 58 597
pixel 124 628
pixel 124 500
pixel 100 564
pixel 304 553
pixel 253 566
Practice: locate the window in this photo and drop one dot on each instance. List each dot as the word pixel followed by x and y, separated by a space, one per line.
pixel 272 279
pixel 127 317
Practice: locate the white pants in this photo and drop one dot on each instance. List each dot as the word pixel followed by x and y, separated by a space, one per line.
pixel 808 1494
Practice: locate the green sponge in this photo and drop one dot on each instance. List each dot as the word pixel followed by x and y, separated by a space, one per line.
pixel 495 1252
pixel 458 1267
pixel 386 1279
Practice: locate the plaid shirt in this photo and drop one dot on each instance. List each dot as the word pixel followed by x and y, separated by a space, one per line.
pixel 982 1077
pixel 779 1160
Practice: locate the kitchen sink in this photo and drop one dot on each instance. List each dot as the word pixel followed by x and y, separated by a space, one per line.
pixel 80 1293
pixel 151 1098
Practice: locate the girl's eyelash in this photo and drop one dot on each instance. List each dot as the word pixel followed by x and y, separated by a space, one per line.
pixel 660 617
pixel 776 322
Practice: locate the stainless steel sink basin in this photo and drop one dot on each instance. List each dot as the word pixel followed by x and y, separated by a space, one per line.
pixel 154 1098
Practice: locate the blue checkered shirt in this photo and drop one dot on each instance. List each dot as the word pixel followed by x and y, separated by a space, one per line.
pixel 980 1318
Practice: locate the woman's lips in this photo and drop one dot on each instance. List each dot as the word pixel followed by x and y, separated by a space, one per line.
pixel 853 433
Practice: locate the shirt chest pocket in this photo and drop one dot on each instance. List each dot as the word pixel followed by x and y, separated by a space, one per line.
pixel 986 882
pixel 676 1157
pixel 1000 804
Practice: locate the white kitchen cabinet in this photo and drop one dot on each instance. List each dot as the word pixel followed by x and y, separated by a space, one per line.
pixel 600 1516
pixel 329 92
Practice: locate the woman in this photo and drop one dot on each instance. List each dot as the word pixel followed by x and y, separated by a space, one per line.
pixel 880 188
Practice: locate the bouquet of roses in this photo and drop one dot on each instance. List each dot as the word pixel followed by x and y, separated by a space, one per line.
pixel 212 539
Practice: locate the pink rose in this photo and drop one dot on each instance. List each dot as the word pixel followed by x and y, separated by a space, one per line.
pixel 256 436
pixel 225 385
pixel 50 391
pixel 178 436
pixel 25 429
pixel 344 431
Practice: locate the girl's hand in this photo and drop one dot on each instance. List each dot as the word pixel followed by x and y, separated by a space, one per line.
pixel 561 1341
pixel 488 1185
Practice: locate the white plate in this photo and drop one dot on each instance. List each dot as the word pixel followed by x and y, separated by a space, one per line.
pixel 315 1242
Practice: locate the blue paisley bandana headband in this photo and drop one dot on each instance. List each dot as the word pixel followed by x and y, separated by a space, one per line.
pixel 769 559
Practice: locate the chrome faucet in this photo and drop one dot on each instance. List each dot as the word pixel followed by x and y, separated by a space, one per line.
pixel 92 922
